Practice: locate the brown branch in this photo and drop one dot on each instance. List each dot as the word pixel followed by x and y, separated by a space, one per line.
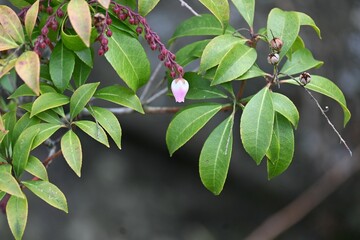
pixel 47 162
pixel 241 90
pixel 291 214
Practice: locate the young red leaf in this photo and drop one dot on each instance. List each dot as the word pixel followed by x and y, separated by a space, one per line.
pixel 30 18
pixel 27 67
pixel 11 24
pixel 80 18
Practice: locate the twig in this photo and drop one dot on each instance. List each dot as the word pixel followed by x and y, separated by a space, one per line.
pixel 156 95
pixel 184 4
pixel 241 90
pixel 322 112
pixel 291 214
pixel 152 79
pixel 48 160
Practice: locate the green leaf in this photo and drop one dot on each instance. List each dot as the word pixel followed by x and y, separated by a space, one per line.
pixel 49 116
pixel 188 122
pixel 86 56
pixel 283 25
pixel 120 95
pixel 17 214
pixel 220 8
pixel 5 166
pixel 197 26
pixel 46 130
pixel 297 45
pixel 127 56
pixel 22 149
pixel 22 91
pixel 19 3
pixel 235 63
pixel 190 52
pixel 256 124
pixel 36 168
pixel 72 152
pixel 307 20
pixel 247 9
pixel 145 6
pixel 129 3
pixel 281 150
pixel 48 101
pixel 23 123
pixel 80 20
pixel 2 195
pixel 27 67
pixel 31 17
pixel 9 119
pixel 8 82
pixel 81 73
pixel 11 24
pixel 62 63
pixel 3 130
pixel 285 107
pixel 6 42
pixel 109 122
pixel 300 61
pixel 9 185
pixel 49 193
pixel 73 41
pixel 216 50
pixel 93 130
pixel 253 72
pixel 215 156
pixel 328 88
pixel 200 88
pixel 81 97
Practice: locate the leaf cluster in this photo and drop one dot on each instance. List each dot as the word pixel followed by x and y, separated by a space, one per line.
pixel 50 46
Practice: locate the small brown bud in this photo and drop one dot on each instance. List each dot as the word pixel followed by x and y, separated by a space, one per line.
pixel 276 44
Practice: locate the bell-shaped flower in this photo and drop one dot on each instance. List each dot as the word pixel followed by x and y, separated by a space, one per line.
pixel 179 88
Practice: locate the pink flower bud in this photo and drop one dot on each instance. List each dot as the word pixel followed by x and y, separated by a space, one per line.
pixel 179 88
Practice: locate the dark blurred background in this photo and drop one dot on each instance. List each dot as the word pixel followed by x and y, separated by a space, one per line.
pixel 141 193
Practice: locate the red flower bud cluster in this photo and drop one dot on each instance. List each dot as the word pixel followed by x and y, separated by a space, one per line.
pixel 125 13
pixel 43 40
pixel 101 23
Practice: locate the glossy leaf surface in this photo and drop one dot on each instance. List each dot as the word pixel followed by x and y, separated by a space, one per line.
pixel 109 122
pixel 127 56
pixel 17 214
pixel 120 95
pixel 246 9
pixel 49 193
pixel 220 9
pixel 215 156
pixel 81 97
pixel 72 151
pixel 256 124
pixel 187 123
pixel 61 66
pixel 281 150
